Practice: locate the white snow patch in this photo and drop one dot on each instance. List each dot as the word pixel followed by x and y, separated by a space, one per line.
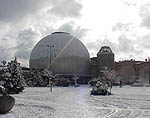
pixel 70 102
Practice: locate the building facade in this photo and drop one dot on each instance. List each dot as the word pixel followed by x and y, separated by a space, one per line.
pixel 105 58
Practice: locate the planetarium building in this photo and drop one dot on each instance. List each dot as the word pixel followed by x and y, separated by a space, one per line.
pixel 61 53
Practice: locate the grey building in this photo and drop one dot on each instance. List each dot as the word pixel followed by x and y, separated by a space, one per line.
pixel 94 67
pixel 61 53
pixel 105 58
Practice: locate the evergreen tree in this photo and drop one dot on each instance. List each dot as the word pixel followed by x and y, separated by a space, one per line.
pixel 12 78
pixel 37 79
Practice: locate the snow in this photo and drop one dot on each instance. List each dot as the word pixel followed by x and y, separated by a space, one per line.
pixel 70 102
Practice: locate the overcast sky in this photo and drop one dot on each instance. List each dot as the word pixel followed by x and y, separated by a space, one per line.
pixel 124 25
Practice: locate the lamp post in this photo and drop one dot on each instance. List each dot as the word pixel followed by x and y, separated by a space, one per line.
pixel 149 71
pixel 50 55
pixel 50 61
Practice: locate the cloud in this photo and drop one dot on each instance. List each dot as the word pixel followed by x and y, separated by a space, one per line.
pixel 66 8
pixel 17 10
pixel 93 46
pixel 25 42
pixel 14 10
pixel 121 27
pixel 73 29
pixel 144 12
pixel 125 48
pixel 144 42
pixel 146 21
pixel 125 45
pixel 129 4
pixel 6 48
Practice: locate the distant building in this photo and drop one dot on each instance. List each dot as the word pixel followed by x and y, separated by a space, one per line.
pixel 144 72
pixel 105 58
pixel 127 71
pixel 131 71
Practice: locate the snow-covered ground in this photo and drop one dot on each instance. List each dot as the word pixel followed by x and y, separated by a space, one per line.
pixel 70 102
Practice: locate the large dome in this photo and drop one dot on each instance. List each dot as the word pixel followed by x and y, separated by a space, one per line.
pixel 65 53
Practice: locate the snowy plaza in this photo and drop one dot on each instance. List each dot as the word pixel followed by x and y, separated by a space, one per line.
pixel 71 102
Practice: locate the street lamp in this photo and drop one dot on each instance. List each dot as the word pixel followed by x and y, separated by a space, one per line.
pixel 149 71
pixel 50 61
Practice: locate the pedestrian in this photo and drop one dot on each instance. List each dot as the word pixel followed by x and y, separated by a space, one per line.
pixel 120 83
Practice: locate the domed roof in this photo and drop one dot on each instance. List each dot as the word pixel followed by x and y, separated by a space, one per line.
pixel 105 50
pixel 65 53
